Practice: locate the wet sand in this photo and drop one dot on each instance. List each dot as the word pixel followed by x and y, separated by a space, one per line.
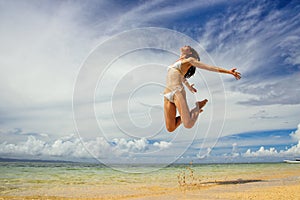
pixel 269 183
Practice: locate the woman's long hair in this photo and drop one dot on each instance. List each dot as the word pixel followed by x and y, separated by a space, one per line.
pixel 191 71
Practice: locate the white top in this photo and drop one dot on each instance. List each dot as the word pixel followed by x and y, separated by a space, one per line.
pixel 176 65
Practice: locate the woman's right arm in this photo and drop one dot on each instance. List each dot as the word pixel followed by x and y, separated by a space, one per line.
pixel 201 65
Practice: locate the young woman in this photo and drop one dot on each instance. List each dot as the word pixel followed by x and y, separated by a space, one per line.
pixel 174 94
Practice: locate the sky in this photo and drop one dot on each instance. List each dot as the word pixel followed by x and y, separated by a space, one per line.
pixel 83 80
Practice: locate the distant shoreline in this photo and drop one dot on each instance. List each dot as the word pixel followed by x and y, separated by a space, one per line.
pixel 33 160
pixel 129 164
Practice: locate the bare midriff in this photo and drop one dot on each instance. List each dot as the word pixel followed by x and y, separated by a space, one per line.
pixel 174 80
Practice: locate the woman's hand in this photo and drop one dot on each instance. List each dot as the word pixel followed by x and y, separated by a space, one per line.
pixel 236 74
pixel 192 89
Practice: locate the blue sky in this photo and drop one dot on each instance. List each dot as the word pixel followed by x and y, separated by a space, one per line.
pixel 46 45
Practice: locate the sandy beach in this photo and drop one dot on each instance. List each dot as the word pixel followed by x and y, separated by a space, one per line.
pixel 281 181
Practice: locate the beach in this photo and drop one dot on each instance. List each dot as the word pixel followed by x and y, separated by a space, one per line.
pixel 184 181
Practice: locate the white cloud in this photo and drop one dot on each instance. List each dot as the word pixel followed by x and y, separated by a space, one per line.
pixel 31 147
pixel 162 144
pixel 158 9
pixel 262 152
pixel 273 91
pixel 72 147
pixel 131 146
pixel 36 147
pixel 235 151
pixel 296 135
pixel 293 151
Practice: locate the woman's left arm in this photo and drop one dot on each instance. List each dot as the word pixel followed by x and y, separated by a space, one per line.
pixel 190 87
pixel 201 65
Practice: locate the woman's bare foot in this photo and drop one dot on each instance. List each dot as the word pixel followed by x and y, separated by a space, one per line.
pixel 201 104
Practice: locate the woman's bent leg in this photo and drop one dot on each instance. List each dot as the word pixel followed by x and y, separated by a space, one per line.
pixel 188 117
pixel 172 122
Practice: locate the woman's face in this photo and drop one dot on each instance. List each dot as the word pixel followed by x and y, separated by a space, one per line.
pixel 185 50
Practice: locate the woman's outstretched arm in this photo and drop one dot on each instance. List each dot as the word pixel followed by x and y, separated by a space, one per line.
pixel 201 65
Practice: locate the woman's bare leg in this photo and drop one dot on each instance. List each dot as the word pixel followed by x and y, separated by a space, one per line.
pixel 172 122
pixel 188 117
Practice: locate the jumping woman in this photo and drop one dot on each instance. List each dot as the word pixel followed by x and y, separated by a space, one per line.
pixel 174 94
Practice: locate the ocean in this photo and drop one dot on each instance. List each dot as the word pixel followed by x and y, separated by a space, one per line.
pixel 84 180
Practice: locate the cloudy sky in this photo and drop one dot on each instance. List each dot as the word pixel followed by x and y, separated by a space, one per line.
pixel 83 79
